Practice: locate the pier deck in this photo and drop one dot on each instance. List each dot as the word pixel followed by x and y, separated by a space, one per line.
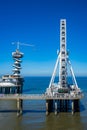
pixel 39 97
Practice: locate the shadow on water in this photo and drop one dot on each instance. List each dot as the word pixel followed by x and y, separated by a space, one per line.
pixel 23 112
pixel 34 111
pixel 8 111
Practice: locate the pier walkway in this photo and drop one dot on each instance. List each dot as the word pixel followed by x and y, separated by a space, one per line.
pixel 39 97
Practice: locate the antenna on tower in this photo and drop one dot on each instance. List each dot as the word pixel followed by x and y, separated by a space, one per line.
pixel 22 44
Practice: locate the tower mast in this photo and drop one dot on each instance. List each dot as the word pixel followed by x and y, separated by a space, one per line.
pixel 63 55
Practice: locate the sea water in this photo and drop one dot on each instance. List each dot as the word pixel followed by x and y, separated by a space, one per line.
pixel 34 117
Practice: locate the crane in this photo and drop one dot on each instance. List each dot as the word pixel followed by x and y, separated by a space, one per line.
pixel 23 44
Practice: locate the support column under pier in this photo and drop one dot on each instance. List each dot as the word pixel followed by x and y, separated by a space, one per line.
pixel 19 106
pixel 77 105
pixel 19 89
pixel 73 107
pixel 66 105
pixel 7 90
pixel 61 105
pixel 1 90
pixel 56 107
pixel 49 106
pixel 10 90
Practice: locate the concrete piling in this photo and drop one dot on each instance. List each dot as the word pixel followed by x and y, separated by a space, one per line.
pixel 19 107
pixel 72 107
pixel 56 107
pixel 49 106
pixel 77 105
pixel 47 103
pixel 62 106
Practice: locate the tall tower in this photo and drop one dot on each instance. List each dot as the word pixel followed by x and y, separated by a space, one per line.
pixel 60 92
pixel 63 55
pixel 62 63
pixel 17 55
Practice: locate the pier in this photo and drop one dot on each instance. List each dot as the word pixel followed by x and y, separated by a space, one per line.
pixel 58 101
pixel 60 96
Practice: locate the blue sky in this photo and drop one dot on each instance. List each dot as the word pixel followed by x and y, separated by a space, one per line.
pixel 37 22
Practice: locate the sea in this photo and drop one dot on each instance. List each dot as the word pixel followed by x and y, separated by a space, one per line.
pixel 34 111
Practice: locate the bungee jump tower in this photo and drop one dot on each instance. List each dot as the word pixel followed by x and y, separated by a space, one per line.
pixel 65 95
pixel 17 55
pixel 13 84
